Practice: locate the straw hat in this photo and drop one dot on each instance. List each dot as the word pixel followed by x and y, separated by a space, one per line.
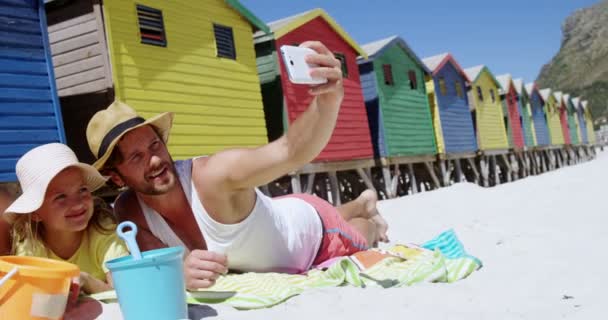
pixel 39 166
pixel 107 127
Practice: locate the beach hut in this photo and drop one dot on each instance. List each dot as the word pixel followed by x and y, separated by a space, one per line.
pixel 580 115
pixel 556 130
pixel 194 58
pixel 541 130
pixel 525 111
pixel 488 118
pixel 589 123
pixel 553 118
pixel 510 104
pixel 29 108
pixel 398 110
pixel 572 120
pixel 563 116
pixel 350 147
pixel 454 132
pixel 539 117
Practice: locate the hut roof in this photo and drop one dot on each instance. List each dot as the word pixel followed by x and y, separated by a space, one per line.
pixel 436 62
pixel 474 72
pixel 376 48
pixel 285 25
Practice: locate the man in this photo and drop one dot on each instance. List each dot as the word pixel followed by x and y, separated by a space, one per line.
pixel 210 205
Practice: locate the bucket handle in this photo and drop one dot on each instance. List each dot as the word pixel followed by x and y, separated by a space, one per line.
pixel 129 238
pixel 9 275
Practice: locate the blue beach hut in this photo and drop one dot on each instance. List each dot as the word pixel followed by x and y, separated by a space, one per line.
pixel 29 109
pixel 451 115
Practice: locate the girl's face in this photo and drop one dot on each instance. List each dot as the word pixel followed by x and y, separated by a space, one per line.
pixel 68 204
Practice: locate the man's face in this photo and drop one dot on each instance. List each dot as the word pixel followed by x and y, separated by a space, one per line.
pixel 147 166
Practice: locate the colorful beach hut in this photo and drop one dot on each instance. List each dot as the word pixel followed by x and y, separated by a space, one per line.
pixel 446 88
pixel 29 108
pixel 351 138
pixel 563 116
pixel 589 122
pixel 398 110
pixel 573 126
pixel 350 146
pixel 525 111
pixel 194 58
pixel 487 113
pixel 487 110
pixel 553 118
pixel 510 104
pixel 580 115
pixel 539 117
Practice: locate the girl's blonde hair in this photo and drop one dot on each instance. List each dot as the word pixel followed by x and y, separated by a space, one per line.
pixel 24 228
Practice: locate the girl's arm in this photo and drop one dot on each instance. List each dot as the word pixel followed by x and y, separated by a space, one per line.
pixel 90 284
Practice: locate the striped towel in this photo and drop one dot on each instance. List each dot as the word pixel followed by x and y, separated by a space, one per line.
pixel 442 259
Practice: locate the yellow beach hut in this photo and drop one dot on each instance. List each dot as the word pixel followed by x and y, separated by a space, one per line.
pixel 194 58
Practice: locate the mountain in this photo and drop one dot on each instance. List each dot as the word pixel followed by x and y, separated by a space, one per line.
pixel 581 65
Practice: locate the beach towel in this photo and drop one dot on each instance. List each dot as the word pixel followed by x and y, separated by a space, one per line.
pixel 443 259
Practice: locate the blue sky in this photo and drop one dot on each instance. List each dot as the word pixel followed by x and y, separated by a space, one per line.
pixel 515 36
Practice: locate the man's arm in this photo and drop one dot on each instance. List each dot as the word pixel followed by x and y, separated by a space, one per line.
pixel 240 169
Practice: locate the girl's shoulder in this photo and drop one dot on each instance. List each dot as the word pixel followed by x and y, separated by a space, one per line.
pixel 30 247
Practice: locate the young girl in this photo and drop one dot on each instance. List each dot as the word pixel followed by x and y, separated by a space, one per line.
pixel 7 196
pixel 56 216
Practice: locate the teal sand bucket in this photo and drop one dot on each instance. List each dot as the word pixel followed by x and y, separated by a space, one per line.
pixel 149 285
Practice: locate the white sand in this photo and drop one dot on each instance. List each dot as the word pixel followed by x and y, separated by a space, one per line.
pixel 540 239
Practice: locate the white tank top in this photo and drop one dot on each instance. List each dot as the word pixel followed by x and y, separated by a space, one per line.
pixel 279 235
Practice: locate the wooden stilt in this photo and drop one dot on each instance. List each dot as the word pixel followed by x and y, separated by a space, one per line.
pixel 514 166
pixel 475 171
pixel 366 177
pixel 335 188
pixel 495 167
pixel 444 174
pixel 412 176
pixel 459 176
pixel 429 167
pixel 310 183
pixel 485 172
pixel 296 185
pixel 395 180
pixel 386 174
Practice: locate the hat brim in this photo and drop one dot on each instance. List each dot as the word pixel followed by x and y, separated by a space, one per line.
pixel 32 199
pixel 162 122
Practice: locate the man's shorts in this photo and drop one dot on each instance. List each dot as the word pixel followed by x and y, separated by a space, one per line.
pixel 339 237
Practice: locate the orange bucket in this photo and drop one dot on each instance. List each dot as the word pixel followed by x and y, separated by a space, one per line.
pixel 34 288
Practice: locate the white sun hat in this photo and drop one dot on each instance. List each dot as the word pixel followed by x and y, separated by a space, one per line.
pixel 39 166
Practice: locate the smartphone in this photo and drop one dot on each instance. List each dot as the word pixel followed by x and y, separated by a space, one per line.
pixel 297 68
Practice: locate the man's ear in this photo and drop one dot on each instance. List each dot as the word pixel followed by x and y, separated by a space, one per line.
pixel 115 178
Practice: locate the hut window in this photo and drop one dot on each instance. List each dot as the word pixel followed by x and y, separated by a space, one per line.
pixel 151 26
pixel 458 89
pixel 442 87
pixel 224 41
pixel 413 80
pixel 479 93
pixel 343 65
pixel 388 74
pixel 492 96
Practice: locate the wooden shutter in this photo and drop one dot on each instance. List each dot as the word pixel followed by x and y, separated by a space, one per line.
pixel 442 87
pixel 388 74
pixel 342 59
pixel 458 86
pixel 151 26
pixel 224 40
pixel 479 93
pixel 413 79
